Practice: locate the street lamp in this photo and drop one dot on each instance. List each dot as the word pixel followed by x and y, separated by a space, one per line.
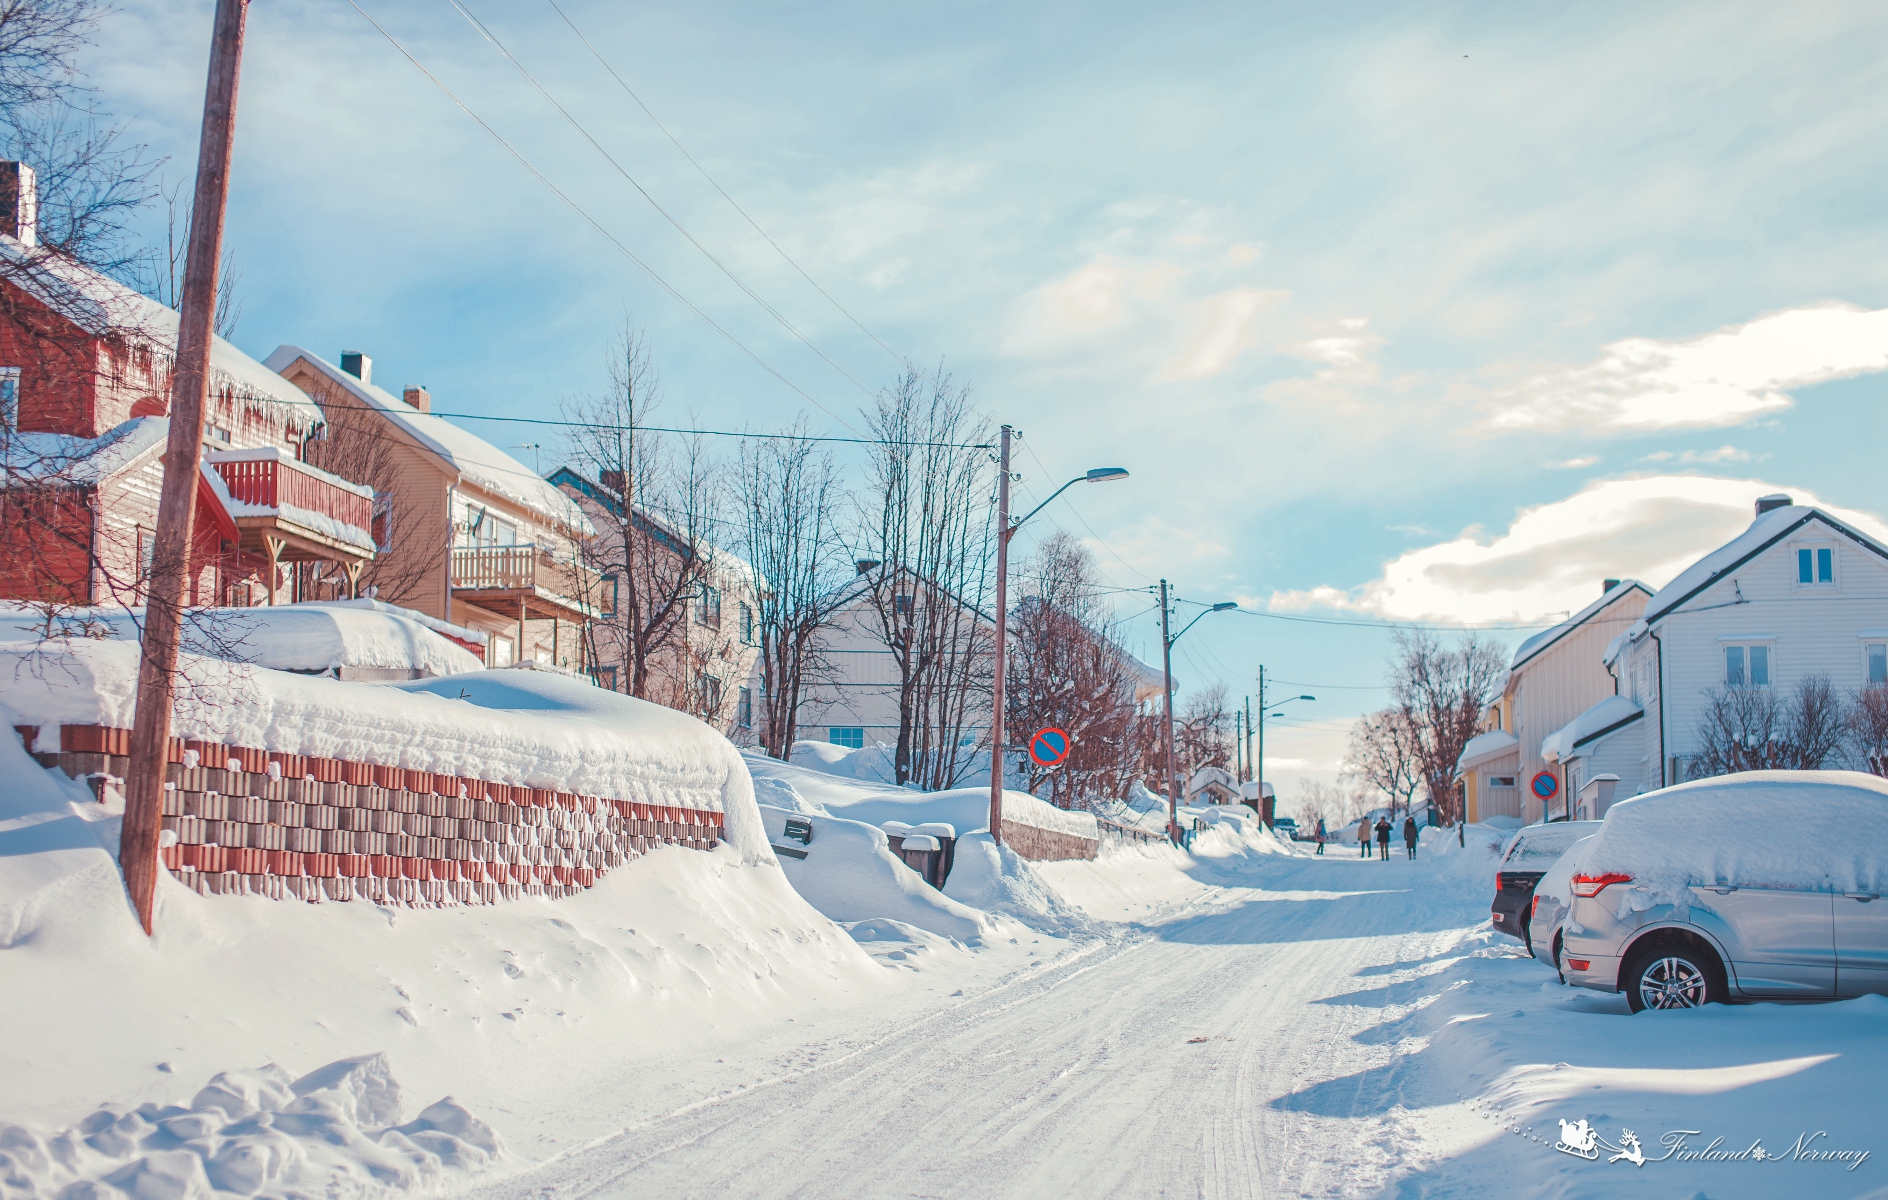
pixel 1166 672
pixel 1259 772
pixel 1006 529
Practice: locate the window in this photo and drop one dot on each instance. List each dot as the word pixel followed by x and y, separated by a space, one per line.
pixel 851 739
pixel 606 678
pixel 1816 565
pixel 709 611
pixel 501 651
pixel 746 710
pixel 483 529
pixel 383 522
pixel 1504 781
pixel 1877 662
pixel 710 689
pixel 747 624
pixel 1747 666
pixel 10 397
pixel 609 598
pixel 901 604
pixel 216 435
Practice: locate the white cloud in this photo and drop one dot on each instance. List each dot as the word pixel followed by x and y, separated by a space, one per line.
pixel 1722 454
pixel 1576 464
pixel 1552 558
pixel 1722 378
pixel 1225 326
pixel 1346 348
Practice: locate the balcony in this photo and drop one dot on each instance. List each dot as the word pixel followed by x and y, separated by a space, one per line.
pixel 288 511
pixel 525 583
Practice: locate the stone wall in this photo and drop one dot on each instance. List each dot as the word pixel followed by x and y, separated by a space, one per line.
pixel 254 822
pixel 1045 845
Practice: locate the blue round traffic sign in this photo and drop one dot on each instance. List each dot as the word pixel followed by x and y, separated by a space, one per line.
pixel 1544 785
pixel 1049 747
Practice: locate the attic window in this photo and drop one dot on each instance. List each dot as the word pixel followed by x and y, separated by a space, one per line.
pixel 10 397
pixel 1815 565
pixel 1501 781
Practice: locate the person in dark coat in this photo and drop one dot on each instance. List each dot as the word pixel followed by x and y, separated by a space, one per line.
pixel 1409 835
pixel 1320 835
pixel 1383 838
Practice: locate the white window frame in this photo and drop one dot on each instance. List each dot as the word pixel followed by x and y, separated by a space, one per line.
pixel 10 398
pixel 833 735
pixel 1869 657
pixel 1746 644
pixel 1820 554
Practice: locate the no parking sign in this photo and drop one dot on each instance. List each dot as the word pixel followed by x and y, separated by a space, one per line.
pixel 1544 785
pixel 1049 747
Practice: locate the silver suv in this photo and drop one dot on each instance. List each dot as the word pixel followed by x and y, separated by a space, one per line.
pixel 1767 885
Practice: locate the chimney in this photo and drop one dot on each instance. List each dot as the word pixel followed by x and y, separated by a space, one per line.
pixel 867 565
pixel 1772 501
pixel 358 365
pixel 19 202
pixel 1607 585
pixel 419 398
pixel 614 481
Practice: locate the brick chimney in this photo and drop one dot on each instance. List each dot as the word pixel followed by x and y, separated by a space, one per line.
pixel 614 481
pixel 419 398
pixel 1773 501
pixel 19 202
pixel 358 365
pixel 1607 585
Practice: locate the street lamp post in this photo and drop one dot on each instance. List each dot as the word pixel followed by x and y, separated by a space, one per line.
pixel 1266 814
pixel 1166 673
pixel 1006 529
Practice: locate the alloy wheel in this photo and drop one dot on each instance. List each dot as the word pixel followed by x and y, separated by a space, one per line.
pixel 1672 983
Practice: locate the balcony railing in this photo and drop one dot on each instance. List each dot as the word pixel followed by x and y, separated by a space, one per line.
pixel 526 568
pixel 278 483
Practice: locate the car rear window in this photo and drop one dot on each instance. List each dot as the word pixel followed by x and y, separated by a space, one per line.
pixel 1538 846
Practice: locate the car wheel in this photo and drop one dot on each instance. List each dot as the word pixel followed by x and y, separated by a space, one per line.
pixel 1672 975
pixel 1527 933
pixel 1559 969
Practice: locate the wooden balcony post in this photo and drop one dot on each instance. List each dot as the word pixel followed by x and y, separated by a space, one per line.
pixel 274 546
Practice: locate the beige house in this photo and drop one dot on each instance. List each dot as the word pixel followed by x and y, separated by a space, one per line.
pixel 465 532
pixel 1555 676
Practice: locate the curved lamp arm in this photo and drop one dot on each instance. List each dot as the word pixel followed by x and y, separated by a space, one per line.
pixel 1097 475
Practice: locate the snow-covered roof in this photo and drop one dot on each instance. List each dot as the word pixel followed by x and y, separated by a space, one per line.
pixel 475 459
pixel 1604 717
pixel 457 632
pixel 64 459
pixel 1768 529
pixel 730 565
pixel 1541 641
pixel 100 304
pixel 1484 747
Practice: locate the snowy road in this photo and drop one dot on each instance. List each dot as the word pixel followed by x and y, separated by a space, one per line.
pixel 1215 1053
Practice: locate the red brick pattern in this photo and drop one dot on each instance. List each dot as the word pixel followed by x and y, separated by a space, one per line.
pixel 255 822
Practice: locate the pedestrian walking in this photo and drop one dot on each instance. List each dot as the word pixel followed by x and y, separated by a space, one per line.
pixel 1363 837
pixel 1320 835
pixel 1383 838
pixel 1409 835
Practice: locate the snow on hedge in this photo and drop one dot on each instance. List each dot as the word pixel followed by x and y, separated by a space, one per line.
pixel 1817 830
pixel 296 637
pixel 528 728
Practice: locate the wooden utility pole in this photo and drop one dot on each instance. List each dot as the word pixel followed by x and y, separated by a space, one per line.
pixel 190 380
pixel 998 699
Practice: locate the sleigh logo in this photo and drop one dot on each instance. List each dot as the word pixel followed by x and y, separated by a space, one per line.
pixel 1582 1140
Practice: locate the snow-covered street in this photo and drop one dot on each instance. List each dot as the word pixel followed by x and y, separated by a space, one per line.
pixel 1269 1026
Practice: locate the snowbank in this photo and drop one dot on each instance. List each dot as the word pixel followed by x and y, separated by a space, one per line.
pixel 1820 830
pixel 527 728
pixel 850 874
pixel 299 637
pixel 965 809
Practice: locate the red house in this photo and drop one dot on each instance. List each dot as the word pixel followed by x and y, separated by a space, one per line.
pixel 85 379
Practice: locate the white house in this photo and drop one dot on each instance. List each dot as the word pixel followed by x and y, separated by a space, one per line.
pixel 1554 677
pixel 1799 593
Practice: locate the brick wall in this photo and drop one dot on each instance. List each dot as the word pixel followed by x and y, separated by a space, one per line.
pixel 253 822
pixel 1045 845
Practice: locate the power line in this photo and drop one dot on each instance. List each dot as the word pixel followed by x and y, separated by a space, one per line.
pixel 592 221
pixel 1253 612
pixel 666 215
pixel 901 359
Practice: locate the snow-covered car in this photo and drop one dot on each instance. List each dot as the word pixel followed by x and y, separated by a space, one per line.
pixel 1288 827
pixel 1553 899
pixel 1528 855
pixel 1768 885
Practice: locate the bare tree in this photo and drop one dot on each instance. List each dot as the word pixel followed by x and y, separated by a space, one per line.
pixel 1754 729
pixel 1441 694
pixel 1385 755
pixel 1868 727
pixel 1202 733
pixel 654 550
pixel 1068 672
pixel 788 493
pixel 163 275
pixel 929 528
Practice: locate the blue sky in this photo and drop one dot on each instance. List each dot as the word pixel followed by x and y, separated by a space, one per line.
pixel 1431 315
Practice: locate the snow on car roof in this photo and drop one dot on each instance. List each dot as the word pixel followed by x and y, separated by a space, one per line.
pixel 471 455
pixel 1815 830
pixel 1537 845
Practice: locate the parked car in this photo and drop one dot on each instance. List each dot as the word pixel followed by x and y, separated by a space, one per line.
pixel 1529 853
pixel 1553 899
pixel 1764 885
pixel 1287 826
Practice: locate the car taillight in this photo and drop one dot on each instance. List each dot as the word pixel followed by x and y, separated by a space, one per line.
pixel 1593 885
pixel 1580 964
pixel 1534 909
